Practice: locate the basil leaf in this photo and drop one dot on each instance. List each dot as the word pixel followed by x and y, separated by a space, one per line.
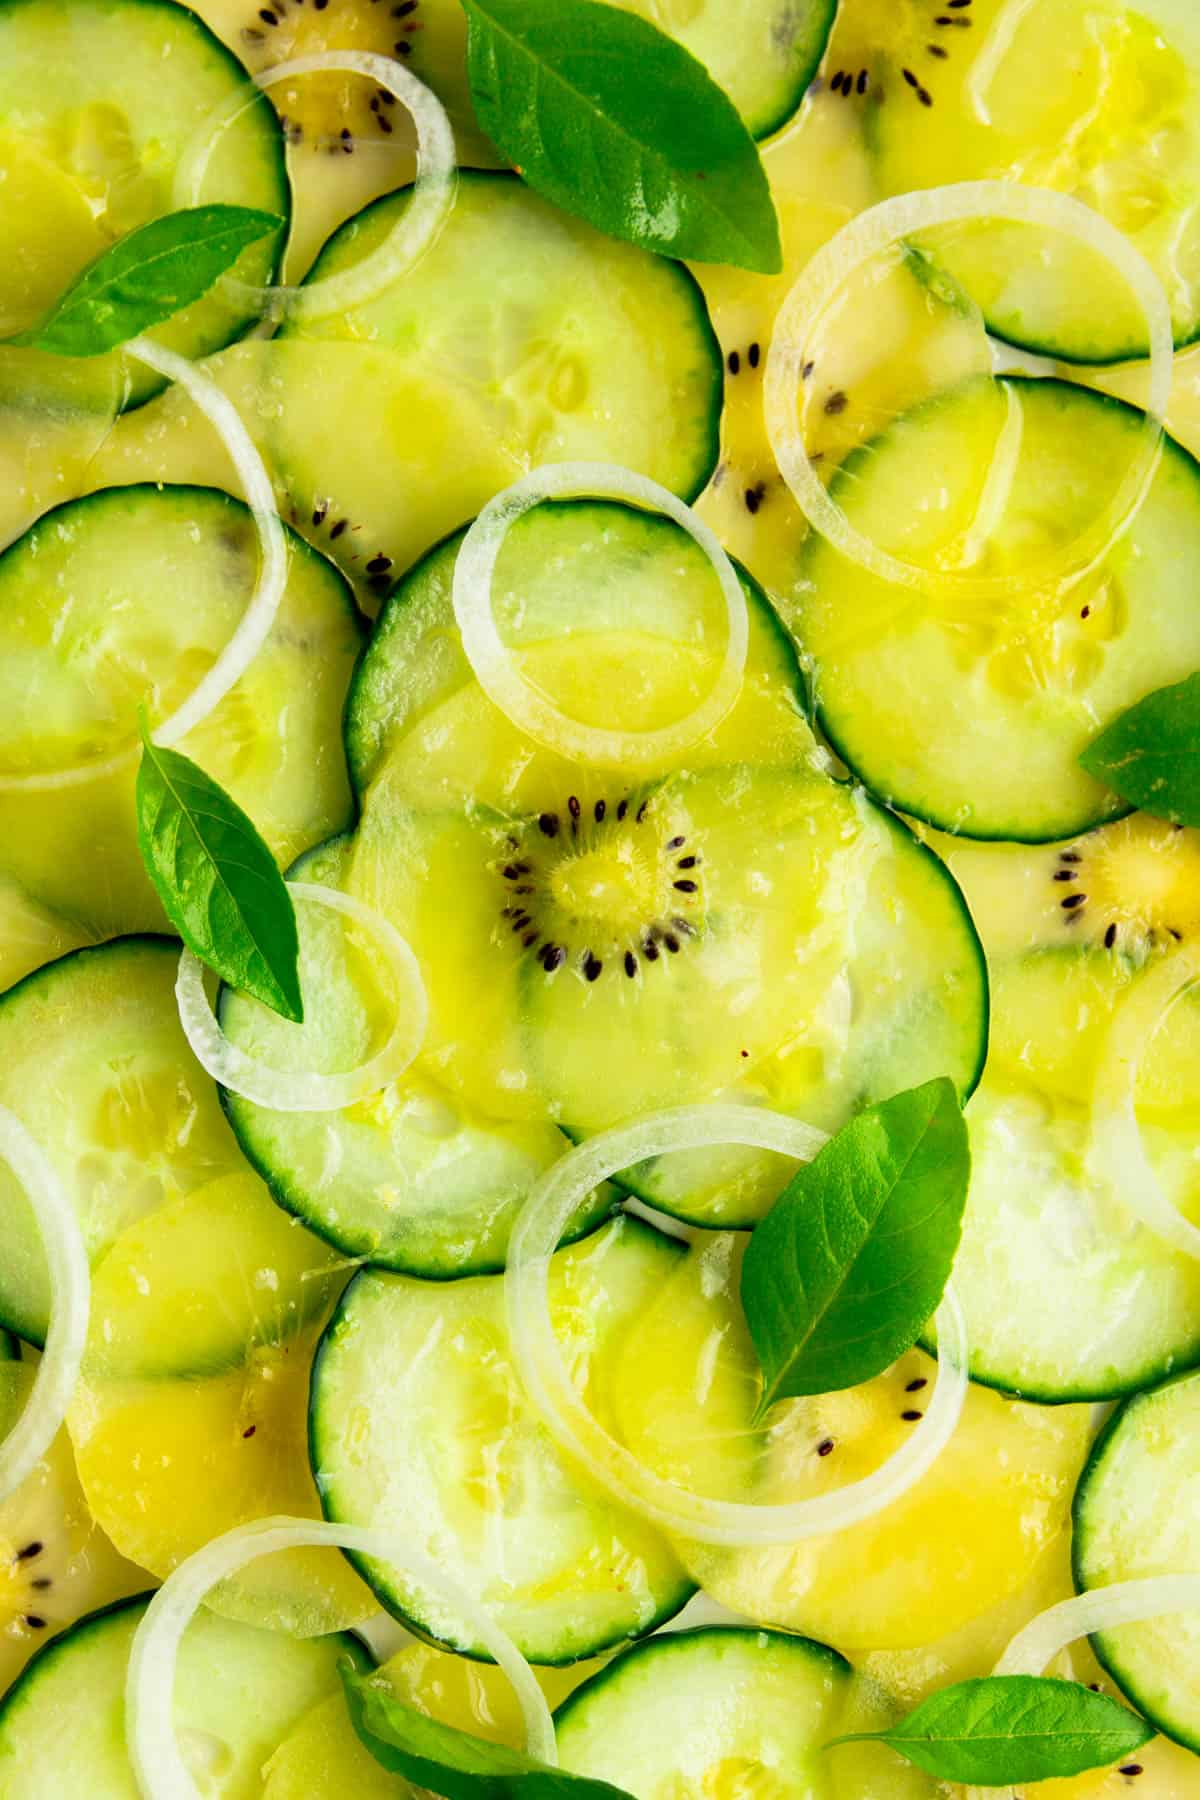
pixel 611 119
pixel 1012 1728
pixel 147 277
pixel 1151 754
pixel 851 1261
pixel 451 1762
pixel 217 880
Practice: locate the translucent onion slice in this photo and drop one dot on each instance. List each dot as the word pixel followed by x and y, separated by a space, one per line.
pixel 494 665
pixel 304 1090
pixel 150 1682
pixel 543 1368
pixel 415 231
pixel 1101 1609
pixel 253 628
pixel 1117 1156
pixel 70 1299
pixel 867 236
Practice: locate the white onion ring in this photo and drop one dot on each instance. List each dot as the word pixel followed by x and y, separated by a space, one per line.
pixel 285 1090
pixel 1117 1156
pixel 865 237
pixel 70 1301
pixel 539 1358
pixel 492 663
pixel 1100 1609
pixel 423 218
pixel 150 1682
pixel 253 628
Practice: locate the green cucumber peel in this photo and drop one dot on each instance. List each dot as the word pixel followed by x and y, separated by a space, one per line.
pixel 148 277
pixel 217 880
pixel 611 119
pixel 851 1262
pixel 450 1762
pixel 1012 1728
pixel 1151 754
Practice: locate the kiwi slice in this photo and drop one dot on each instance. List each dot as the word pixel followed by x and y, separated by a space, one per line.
pixel 55 1562
pixel 1133 887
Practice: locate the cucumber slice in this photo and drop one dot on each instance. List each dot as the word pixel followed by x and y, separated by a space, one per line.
pixel 999 698
pixel 94 1062
pixel 102 104
pixel 1133 1517
pixel 414 1178
pixel 1067 1296
pixel 566 336
pixel 189 1417
pixel 73 672
pixel 55 1562
pixel 419 1424
pixel 759 1710
pixel 685 1392
pixel 1096 98
pixel 239 1692
pixel 738 925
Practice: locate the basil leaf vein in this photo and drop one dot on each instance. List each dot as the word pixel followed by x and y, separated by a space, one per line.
pixel 217 880
pixel 850 1263
pixel 1012 1728
pixel 613 120
pixel 147 277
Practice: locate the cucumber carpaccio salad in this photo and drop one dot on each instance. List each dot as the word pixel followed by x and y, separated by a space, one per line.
pixel 674 1237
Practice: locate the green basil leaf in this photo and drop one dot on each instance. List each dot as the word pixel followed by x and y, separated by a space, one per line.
pixel 611 119
pixel 147 277
pixel 1151 754
pixel 1013 1728
pixel 852 1259
pixel 217 880
pixel 451 1762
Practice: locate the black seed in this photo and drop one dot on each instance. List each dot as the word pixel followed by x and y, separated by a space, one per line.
pixel 687 862
pixel 335 531
pixel 807 370
pixel 924 96
pixel 863 81
pixel 548 824
pixel 35 1622
pixel 937 50
pixel 915 1386
pixel 320 5
pixel 403 48
pixel 835 85
pixel 752 356
pixel 379 565
pixel 1073 900
pixel 640 814
pixel 573 807
pixel 825 1446
pixel 388 99
pixel 650 950
pixel 755 496
pixel 622 809
pixel 676 843
pixel 527 943
pixel 743 1053
pixel 512 870
pixel 250 1431
pixel 553 957
pixel 319 512
pixel 31 1550
pixel 630 963
pixel 347 137
pixel 1085 612
pixel 837 403
pixel 1070 856
pixel 402 12
pixel 956 5
pixel 735 362
pixel 1110 937
pixel 911 1416
pixel 600 809
pixel 1066 875
pixel 672 943
pixel 592 966
pixel 1130 1769
pixel 910 78
pixel 267 16
pixel 1177 935
pixel 41 1584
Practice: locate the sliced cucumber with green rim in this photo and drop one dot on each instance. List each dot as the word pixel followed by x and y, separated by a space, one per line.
pixel 1067 1295
pixel 412 1178
pixel 735 923
pixel 1134 1516
pixel 92 625
pixel 419 1425
pixel 972 712
pixel 105 107
pixel 727 1710
pixel 1096 98
pixel 240 1691
pixel 94 1063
